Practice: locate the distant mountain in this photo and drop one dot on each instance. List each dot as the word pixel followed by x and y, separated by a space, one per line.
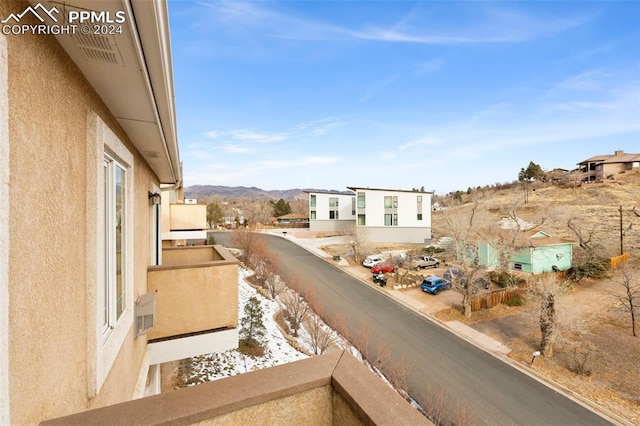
pixel 201 191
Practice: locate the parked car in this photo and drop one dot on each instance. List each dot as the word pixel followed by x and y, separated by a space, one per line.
pixel 426 262
pixel 383 268
pixel 433 285
pixel 371 260
pixel 453 274
pixel 457 275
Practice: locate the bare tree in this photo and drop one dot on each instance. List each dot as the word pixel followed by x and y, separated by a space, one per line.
pixel 548 288
pixel 358 241
pixel 250 241
pixel 320 338
pixel 297 310
pixel 465 228
pixel 585 234
pixel 630 297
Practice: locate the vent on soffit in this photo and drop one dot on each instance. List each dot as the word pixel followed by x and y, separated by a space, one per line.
pixel 98 48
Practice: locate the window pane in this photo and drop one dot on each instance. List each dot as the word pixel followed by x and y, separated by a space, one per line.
pixel 313 201
pixel 107 251
pixel 387 202
pixel 313 214
pixel 361 220
pixel 361 200
pixel 120 183
pixel 387 220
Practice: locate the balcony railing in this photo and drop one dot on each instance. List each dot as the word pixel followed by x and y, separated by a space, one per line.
pixel 332 389
pixel 188 217
pixel 197 291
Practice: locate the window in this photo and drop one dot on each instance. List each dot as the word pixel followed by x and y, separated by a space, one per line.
pixel 313 201
pixel 313 214
pixel 395 201
pixel 517 266
pixel 419 199
pixel 361 200
pixel 109 225
pixel 390 219
pixel 362 220
pixel 333 208
pixel 387 202
pixel 419 216
pixel 115 204
pixel 353 206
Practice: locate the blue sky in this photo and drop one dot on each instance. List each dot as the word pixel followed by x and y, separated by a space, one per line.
pixel 400 94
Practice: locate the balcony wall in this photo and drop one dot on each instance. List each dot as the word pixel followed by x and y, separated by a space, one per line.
pixel 197 291
pixel 188 217
pixel 332 389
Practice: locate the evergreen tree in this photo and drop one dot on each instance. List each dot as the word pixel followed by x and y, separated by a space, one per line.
pixel 280 207
pixel 252 328
pixel 533 171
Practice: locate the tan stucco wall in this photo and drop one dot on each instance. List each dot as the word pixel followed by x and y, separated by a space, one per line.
pixel 310 408
pixel 189 255
pixel 194 299
pixel 188 216
pixel 49 100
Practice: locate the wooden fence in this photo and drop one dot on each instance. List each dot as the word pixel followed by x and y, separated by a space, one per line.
pixel 489 300
pixel 619 260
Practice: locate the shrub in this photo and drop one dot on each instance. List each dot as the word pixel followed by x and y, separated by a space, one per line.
pixel 504 279
pixel 514 301
pixel 431 250
pixel 591 269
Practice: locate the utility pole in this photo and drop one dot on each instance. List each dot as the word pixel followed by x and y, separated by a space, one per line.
pixel 621 233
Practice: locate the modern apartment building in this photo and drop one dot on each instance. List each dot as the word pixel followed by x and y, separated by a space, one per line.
pixel 331 211
pixel 397 216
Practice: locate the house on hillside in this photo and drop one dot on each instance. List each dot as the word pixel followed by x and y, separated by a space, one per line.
pixel 540 253
pixel 601 167
pixel 293 219
pixel 331 211
pixel 394 216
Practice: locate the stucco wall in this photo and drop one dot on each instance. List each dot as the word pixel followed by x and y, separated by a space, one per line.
pixel 189 255
pixel 397 234
pixel 49 101
pixel 194 299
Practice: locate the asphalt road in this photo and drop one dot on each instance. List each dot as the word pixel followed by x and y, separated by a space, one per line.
pixel 467 385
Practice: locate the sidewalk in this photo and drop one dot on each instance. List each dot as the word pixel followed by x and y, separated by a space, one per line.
pixel 412 298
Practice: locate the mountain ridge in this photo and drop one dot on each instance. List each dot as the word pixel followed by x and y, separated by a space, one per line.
pixel 203 191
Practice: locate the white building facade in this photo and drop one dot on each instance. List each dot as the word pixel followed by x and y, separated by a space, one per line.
pixel 331 211
pixel 394 216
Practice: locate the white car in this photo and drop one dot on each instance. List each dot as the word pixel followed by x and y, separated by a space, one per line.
pixel 371 260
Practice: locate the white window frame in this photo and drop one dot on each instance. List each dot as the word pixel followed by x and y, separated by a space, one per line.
pixel 103 348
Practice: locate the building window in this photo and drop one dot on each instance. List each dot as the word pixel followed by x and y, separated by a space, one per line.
pixel 361 220
pixel 110 249
pixel 387 219
pixel 115 205
pixel 419 199
pixel 517 266
pixel 313 214
pixel 353 206
pixel 419 216
pixel 395 219
pixel 387 202
pixel 395 201
pixel 361 200
pixel 390 219
pixel 313 201
pixel 333 208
